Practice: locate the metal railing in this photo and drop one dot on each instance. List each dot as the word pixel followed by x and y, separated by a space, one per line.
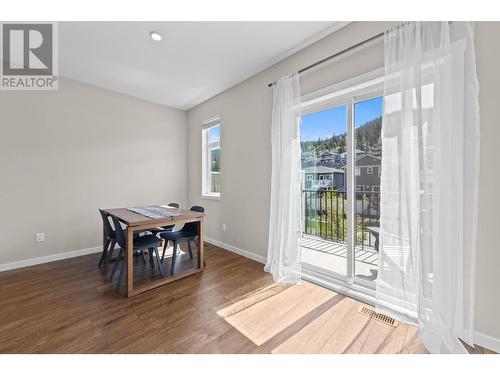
pixel 325 215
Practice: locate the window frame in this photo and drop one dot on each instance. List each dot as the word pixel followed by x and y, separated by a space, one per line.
pixel 207 148
pixel 369 170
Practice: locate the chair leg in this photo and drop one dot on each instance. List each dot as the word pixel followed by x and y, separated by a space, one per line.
pixel 116 265
pixel 165 244
pixel 189 249
pixel 160 266
pixel 151 260
pixel 120 278
pixel 110 253
pixel 174 255
pixel 104 254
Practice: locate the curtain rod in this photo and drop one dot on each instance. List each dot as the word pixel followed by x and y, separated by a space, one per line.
pixel 328 58
pixel 335 55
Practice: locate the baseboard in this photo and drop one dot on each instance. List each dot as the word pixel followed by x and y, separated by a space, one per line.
pixel 49 258
pixel 236 250
pixel 487 342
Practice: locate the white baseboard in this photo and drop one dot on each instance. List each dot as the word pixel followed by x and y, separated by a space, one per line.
pixel 237 250
pixel 49 258
pixel 487 342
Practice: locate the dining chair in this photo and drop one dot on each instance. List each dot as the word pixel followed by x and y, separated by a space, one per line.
pixel 110 241
pixel 148 242
pixel 188 233
pixel 165 228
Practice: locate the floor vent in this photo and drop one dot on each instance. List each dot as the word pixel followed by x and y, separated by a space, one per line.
pixel 377 316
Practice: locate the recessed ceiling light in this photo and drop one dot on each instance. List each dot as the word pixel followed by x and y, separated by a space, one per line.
pixel 155 36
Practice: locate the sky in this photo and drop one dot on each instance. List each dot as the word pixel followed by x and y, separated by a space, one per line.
pixel 332 121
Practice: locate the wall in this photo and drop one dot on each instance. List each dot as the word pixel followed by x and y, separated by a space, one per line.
pixel 66 153
pixel 245 112
pixel 488 245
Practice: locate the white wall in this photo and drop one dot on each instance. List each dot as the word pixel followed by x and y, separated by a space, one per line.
pixel 66 153
pixel 245 112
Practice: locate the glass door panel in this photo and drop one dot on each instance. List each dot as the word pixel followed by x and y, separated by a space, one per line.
pixel 323 143
pixel 367 167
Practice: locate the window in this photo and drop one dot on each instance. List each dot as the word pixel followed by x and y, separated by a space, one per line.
pixel 309 177
pixel 359 187
pixel 358 171
pixel 369 170
pixel 211 159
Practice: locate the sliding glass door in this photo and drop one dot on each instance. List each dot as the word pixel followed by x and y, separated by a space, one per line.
pixel 341 167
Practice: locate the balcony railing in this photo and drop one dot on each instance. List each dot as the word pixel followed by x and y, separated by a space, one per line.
pixel 325 215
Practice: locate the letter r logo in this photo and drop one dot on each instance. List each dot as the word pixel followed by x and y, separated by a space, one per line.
pixel 27 49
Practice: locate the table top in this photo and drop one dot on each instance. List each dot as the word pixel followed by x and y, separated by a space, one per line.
pixel 131 218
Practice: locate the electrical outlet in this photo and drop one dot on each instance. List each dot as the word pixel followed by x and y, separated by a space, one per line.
pixel 224 228
pixel 39 237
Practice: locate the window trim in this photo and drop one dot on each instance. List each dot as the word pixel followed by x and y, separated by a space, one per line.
pixel 206 150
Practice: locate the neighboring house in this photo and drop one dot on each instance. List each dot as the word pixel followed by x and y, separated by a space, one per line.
pixel 328 157
pixel 367 173
pixel 308 156
pixel 322 177
pixel 343 156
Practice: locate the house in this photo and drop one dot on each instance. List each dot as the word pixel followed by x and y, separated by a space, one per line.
pixel 322 177
pixel 329 157
pixel 308 158
pixel 367 173
pixel 153 201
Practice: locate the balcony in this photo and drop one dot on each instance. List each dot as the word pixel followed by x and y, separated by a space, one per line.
pixel 325 231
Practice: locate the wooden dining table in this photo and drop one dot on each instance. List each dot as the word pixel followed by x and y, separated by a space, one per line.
pixel 135 222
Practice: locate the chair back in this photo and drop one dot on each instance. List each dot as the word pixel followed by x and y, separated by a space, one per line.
pixel 108 230
pixel 120 238
pixel 176 205
pixel 193 227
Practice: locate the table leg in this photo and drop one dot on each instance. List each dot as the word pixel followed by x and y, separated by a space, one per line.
pixel 130 261
pixel 201 246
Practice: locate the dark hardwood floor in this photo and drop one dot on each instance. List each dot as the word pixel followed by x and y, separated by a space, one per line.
pixel 231 307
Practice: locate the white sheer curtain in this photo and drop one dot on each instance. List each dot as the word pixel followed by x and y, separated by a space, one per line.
pixel 430 165
pixel 283 254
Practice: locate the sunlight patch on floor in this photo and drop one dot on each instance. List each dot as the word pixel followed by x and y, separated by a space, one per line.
pixel 264 314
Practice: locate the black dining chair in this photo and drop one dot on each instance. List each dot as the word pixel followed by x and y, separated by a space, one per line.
pixel 110 241
pixel 188 233
pixel 148 242
pixel 167 228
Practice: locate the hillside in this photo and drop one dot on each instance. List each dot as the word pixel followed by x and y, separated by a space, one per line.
pixel 367 136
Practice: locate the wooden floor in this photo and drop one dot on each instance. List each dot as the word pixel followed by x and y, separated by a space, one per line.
pixel 232 307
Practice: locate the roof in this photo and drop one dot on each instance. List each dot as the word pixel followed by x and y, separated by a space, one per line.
pixel 322 169
pixel 367 160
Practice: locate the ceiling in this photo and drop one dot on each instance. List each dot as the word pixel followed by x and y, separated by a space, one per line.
pixel 193 62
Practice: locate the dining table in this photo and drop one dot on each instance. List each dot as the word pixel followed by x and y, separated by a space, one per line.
pixel 140 222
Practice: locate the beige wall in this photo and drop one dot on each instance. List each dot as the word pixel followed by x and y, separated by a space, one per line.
pixel 66 153
pixel 245 111
pixel 488 257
